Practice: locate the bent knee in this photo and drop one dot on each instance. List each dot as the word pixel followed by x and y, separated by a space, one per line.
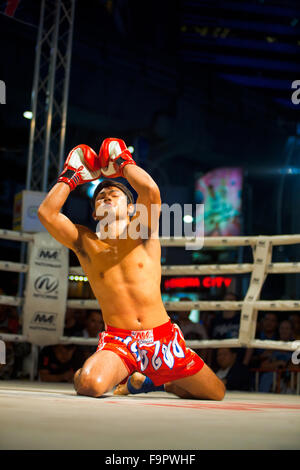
pixel 90 386
pixel 220 391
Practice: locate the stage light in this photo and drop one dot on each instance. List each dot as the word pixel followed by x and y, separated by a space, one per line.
pixel 27 114
pixel 78 278
pixel 289 171
pixel 131 149
pixel 91 187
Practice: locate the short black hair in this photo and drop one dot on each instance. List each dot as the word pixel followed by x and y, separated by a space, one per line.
pixel 106 184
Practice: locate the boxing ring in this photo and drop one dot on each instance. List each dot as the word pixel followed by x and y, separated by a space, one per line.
pixel 37 415
pixel 59 419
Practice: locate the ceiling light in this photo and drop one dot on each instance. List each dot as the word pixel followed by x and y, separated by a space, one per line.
pixel 27 114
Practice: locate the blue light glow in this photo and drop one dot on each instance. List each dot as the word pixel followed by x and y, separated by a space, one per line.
pixel 91 187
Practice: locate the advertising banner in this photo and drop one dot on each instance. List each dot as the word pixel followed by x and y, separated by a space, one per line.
pixel 46 291
pixel 25 218
pixel 220 191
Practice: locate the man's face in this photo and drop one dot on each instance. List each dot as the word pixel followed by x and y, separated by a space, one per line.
pixel 64 354
pixel 225 358
pixel 111 201
pixel 230 297
pixel 94 324
pixel 270 322
pixel 285 331
pixel 295 319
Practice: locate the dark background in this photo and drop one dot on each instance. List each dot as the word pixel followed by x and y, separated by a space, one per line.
pixel 193 85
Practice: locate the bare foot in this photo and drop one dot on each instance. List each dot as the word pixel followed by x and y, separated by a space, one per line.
pixel 136 380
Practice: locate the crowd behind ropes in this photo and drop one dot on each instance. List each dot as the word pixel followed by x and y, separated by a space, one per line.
pixel 236 367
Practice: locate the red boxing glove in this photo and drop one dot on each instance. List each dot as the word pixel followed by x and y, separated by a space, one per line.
pixel 81 166
pixel 114 155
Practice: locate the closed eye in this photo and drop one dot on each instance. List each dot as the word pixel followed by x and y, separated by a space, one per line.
pixel 114 194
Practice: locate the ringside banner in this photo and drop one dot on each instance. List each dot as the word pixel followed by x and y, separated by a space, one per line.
pixel 46 291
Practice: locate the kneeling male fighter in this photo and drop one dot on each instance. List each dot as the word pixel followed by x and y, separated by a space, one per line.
pixel 124 272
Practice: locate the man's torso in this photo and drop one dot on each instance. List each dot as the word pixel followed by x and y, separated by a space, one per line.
pixel 125 278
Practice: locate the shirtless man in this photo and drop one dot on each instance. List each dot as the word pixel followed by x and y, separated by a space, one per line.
pixel 125 274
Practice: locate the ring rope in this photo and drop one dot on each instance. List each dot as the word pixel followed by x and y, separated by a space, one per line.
pixel 194 344
pixel 182 241
pixel 203 305
pixel 273 268
pixel 232 241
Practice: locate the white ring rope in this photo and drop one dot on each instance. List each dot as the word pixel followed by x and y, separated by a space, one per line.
pixel 233 241
pixel 272 268
pixel 190 270
pixel 262 265
pixel 181 241
pixel 210 305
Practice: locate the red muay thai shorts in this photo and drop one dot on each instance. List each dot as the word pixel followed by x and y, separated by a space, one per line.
pixel 160 353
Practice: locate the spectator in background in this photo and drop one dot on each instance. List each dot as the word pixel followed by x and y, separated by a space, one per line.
pixel 7 369
pixel 93 326
pixel 295 321
pixel 72 328
pixel 9 319
pixel 276 359
pixel 190 329
pixel 235 375
pixel 4 312
pixel 226 324
pixel 269 326
pixel 16 352
pixel 13 323
pixel 57 364
pixel 286 331
pixel 80 316
pixel 268 331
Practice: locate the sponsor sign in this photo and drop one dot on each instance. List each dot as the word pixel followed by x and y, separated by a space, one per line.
pixel 46 291
pixel 25 216
pixel 45 285
pixel 44 321
pixel 49 257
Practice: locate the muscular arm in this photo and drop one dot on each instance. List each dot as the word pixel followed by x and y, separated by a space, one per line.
pixel 57 224
pixel 148 194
